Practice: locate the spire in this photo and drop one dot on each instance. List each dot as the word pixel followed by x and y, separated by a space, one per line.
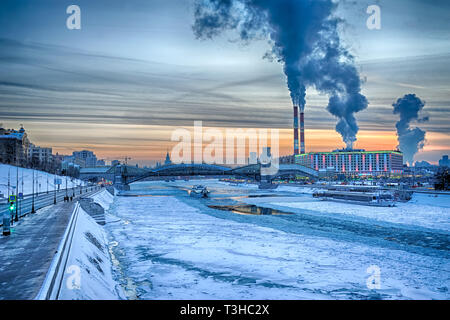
pixel 167 161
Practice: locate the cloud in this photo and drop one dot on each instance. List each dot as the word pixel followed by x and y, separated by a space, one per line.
pixel 94 89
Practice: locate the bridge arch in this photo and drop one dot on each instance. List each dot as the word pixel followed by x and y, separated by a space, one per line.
pixel 183 169
pixel 188 169
pixel 296 169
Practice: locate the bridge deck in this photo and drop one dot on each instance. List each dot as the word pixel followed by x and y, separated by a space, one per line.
pixel 206 169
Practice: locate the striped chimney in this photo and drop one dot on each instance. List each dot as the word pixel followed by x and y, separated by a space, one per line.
pixel 302 132
pixel 296 130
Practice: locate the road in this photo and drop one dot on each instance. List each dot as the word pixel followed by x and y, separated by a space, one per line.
pixel 26 254
pixel 41 200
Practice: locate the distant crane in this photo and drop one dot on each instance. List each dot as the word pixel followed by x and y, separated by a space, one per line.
pixel 126 159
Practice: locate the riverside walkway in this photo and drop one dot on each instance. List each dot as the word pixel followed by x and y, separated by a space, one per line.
pixel 26 254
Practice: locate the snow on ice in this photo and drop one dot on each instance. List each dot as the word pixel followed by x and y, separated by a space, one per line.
pixel 170 247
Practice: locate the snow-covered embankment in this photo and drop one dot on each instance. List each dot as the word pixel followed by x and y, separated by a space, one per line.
pixel 43 180
pixel 88 273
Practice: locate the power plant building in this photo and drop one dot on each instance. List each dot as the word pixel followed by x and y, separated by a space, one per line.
pixel 354 162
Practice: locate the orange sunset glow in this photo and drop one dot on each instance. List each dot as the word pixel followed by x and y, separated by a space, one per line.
pixel 148 144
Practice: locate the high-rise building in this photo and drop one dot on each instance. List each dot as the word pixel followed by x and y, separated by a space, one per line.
pixel 444 162
pixel 14 146
pixel 39 155
pixel 85 158
pixel 253 158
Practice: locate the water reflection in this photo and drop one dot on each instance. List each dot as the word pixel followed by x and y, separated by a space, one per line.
pixel 249 209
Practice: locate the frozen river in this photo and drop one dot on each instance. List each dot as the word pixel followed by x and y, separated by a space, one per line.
pixel 168 245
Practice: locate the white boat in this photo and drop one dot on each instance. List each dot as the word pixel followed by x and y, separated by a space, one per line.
pixel 199 191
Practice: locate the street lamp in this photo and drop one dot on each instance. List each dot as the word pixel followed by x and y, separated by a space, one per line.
pixel 16 218
pixel 21 204
pixel 32 199
pixel 9 178
pixel 54 189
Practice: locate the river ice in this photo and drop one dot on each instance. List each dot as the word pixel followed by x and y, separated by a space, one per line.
pixel 172 246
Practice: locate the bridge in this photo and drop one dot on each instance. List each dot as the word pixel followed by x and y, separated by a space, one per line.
pixel 296 169
pixel 183 169
pixel 284 170
pixel 126 175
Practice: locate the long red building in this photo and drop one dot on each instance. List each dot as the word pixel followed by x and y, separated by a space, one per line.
pixel 354 161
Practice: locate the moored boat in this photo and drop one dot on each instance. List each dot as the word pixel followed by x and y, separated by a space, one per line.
pixel 199 191
pixel 377 199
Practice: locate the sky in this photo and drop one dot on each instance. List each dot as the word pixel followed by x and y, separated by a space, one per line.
pixel 135 72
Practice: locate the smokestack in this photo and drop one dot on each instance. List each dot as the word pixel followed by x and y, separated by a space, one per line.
pixel 296 130
pixel 302 132
pixel 305 38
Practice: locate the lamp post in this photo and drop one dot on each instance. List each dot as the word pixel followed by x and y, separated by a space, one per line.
pixel 16 218
pixel 22 194
pixel 32 198
pixel 54 190
pixel 9 183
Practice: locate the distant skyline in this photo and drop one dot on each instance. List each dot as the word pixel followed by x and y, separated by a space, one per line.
pixel 135 72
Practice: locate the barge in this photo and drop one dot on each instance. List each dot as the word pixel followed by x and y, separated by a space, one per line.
pixel 377 199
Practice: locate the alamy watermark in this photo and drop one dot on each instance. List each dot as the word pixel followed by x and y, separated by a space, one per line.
pixel 74 20
pixel 227 147
pixel 374 20
pixel 73 281
pixel 374 279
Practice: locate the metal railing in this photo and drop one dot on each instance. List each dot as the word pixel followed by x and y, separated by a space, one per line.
pixel 42 199
pixel 51 288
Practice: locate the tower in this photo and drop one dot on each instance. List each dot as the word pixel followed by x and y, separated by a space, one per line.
pixel 167 161
pixel 296 130
pixel 302 132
